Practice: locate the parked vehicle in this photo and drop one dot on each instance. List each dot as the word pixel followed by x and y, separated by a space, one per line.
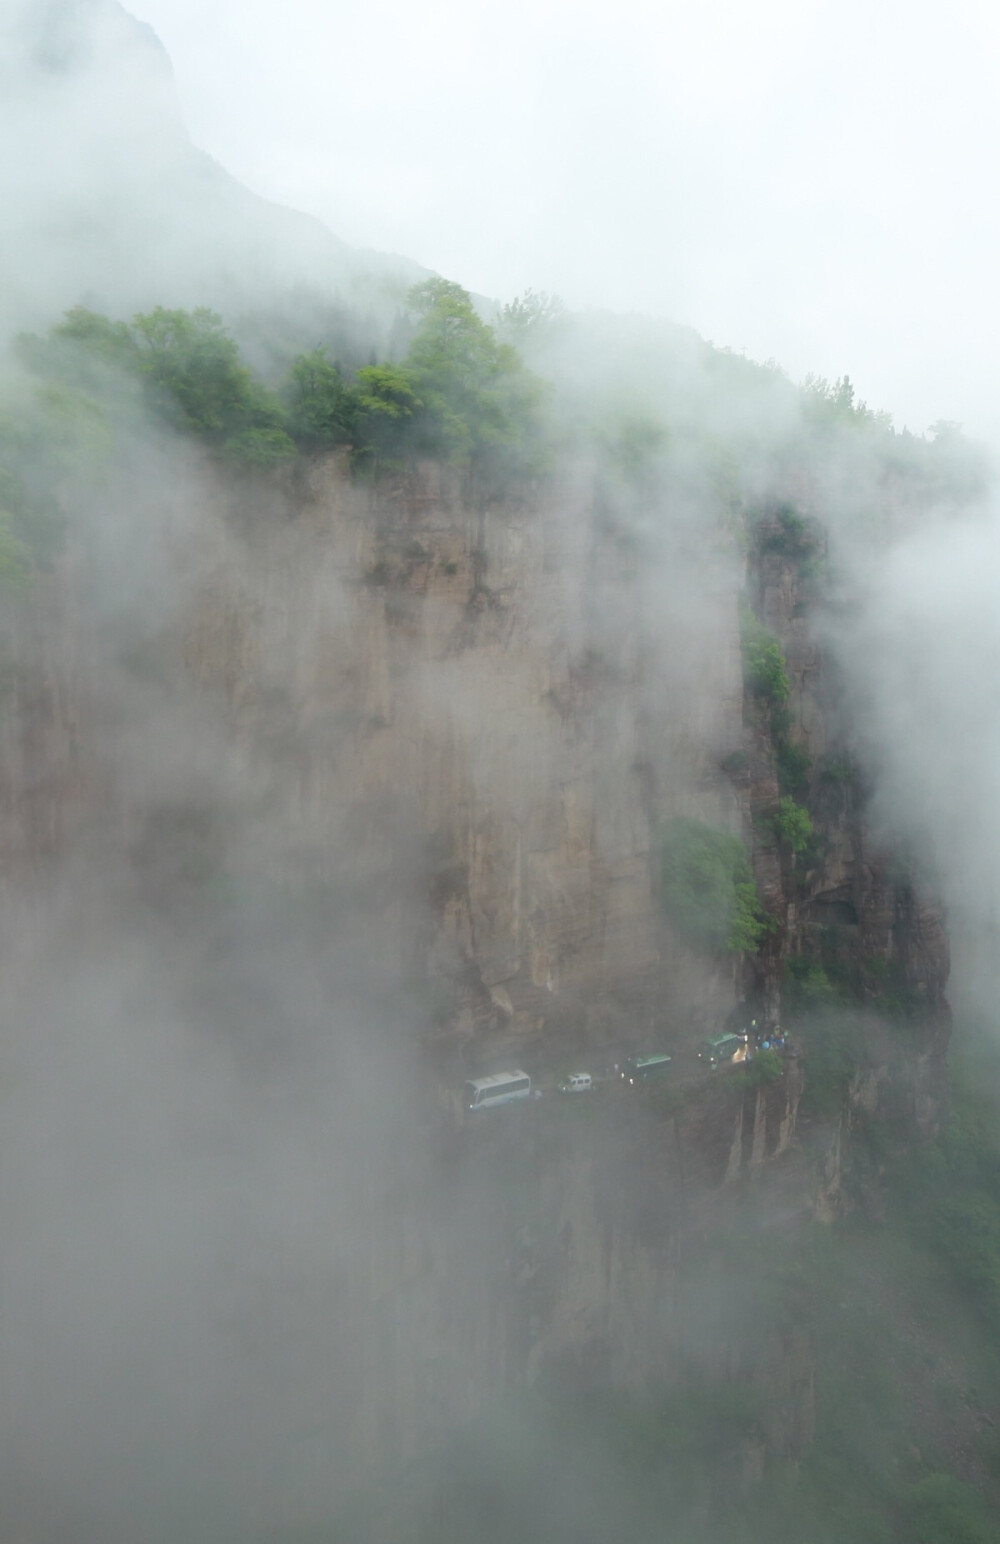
pixel 498 1088
pixel 645 1069
pixel 577 1083
pixel 720 1050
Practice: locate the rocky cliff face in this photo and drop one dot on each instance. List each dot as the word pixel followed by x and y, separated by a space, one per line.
pixel 465 721
pixel 492 708
pixel 477 693
pixel 849 900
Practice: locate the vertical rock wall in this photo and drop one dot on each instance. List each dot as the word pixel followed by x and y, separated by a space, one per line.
pixel 470 718
pixel 504 707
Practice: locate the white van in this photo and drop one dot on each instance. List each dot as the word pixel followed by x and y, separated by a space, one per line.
pixel 577 1083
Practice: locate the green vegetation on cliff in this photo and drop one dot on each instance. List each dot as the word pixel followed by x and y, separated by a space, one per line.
pixel 708 887
pixel 792 824
pixel 322 412
pixel 194 376
pixel 764 668
pixel 458 394
pixel 477 401
pixel 794 764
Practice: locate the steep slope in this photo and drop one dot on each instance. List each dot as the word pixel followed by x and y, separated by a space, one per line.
pixel 108 202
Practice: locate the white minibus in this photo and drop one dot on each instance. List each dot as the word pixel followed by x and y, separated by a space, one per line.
pixel 499 1088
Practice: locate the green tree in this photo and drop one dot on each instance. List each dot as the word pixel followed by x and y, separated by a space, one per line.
pixel 807 984
pixel 792 824
pixel 260 447
pixel 838 404
pixel 189 366
pixel 764 670
pixel 531 313
pixel 195 369
pixel 322 409
pixel 385 402
pixel 97 333
pixel 478 402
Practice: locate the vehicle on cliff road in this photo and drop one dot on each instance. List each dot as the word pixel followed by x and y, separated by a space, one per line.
pixel 498 1088
pixel 645 1069
pixel 724 1050
pixel 577 1083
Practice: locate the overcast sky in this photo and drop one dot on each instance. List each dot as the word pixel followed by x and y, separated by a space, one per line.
pixel 802 179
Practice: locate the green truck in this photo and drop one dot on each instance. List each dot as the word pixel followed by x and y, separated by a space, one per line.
pixel 723 1050
pixel 645 1069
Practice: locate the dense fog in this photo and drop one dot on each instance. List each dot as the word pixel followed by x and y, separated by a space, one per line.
pixel 259 1282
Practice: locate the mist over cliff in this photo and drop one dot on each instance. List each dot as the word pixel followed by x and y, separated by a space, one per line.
pixel 479 690
pixel 107 201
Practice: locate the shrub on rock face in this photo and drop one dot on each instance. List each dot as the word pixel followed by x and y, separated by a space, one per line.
pixel 792 824
pixel 794 765
pixel 766 1067
pixel 785 531
pixel 708 887
pixel 734 763
pixel 764 670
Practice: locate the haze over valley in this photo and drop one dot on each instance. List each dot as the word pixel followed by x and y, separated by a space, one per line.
pixel 498 834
